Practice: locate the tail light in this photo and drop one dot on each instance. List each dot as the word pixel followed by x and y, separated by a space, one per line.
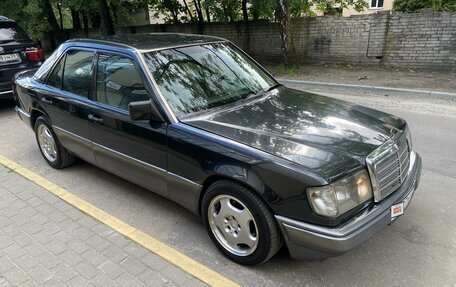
pixel 35 54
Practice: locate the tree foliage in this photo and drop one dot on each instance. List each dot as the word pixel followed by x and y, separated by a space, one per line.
pixel 413 6
pixel 108 14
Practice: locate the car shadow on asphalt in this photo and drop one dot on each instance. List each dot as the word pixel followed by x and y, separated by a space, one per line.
pixel 6 104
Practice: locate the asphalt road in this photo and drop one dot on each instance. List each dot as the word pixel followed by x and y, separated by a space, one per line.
pixel 419 249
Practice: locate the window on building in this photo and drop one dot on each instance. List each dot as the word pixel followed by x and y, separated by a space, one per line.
pixel 376 3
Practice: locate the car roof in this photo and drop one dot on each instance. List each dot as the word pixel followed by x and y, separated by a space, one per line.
pixel 150 41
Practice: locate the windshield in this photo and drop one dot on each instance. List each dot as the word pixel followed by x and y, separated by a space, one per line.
pixel 198 78
pixel 10 31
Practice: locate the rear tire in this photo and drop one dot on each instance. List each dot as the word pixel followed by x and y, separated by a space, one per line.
pixel 240 224
pixel 55 154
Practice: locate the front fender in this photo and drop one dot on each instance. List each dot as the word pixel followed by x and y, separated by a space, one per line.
pixel 201 158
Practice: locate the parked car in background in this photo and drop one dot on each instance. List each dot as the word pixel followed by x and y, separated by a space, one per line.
pixel 196 120
pixel 18 52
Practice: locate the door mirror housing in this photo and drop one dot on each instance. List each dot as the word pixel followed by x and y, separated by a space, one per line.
pixel 144 111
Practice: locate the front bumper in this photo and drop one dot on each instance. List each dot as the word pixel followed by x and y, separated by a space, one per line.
pixel 313 242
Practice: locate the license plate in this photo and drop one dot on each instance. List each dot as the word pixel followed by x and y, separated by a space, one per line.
pixel 9 58
pixel 398 209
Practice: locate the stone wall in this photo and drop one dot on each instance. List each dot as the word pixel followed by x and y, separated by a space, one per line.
pixel 422 40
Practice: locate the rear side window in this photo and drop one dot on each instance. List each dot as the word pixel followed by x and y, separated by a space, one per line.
pixel 55 78
pixel 10 31
pixel 77 72
pixel 118 82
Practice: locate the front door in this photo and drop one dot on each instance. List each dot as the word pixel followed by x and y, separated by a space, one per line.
pixel 134 150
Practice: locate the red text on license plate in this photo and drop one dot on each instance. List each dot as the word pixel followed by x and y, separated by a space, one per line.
pixel 397 209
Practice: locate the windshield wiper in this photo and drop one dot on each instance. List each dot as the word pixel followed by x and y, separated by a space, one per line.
pixel 275 86
pixel 260 93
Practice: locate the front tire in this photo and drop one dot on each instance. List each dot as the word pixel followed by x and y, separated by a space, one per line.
pixel 50 147
pixel 240 224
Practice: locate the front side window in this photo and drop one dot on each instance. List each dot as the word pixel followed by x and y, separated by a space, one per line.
pixel 118 82
pixel 376 3
pixel 78 72
pixel 199 78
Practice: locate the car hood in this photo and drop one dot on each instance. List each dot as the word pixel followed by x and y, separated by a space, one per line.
pixel 327 136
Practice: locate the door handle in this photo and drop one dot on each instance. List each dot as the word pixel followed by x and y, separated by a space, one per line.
pixel 46 101
pixel 95 119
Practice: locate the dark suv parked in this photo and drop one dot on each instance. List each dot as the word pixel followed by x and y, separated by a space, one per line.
pixel 17 52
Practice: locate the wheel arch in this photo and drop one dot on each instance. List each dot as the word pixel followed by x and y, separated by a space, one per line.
pixel 256 187
pixel 35 114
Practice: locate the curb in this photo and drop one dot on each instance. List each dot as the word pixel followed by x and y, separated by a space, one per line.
pixel 374 90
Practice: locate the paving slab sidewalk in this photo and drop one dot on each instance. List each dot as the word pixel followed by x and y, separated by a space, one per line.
pixel 45 241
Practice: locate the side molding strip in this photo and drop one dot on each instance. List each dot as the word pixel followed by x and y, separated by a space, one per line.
pixel 71 134
pixel 127 156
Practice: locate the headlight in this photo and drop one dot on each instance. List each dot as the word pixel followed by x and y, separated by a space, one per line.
pixel 408 134
pixel 339 197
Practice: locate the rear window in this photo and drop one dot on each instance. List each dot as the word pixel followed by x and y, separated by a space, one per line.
pixel 10 31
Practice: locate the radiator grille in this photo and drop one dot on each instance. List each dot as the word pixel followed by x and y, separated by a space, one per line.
pixel 389 165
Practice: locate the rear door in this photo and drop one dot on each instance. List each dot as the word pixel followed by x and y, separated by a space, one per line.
pixel 65 99
pixel 134 150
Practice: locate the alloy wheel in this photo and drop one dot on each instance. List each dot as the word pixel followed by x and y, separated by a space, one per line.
pixel 47 143
pixel 233 225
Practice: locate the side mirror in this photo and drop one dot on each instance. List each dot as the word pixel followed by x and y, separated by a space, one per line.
pixel 144 110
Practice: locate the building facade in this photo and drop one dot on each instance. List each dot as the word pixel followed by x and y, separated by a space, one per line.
pixel 374 6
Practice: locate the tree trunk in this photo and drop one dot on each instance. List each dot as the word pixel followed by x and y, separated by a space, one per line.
pixel 175 15
pixel 198 10
pixel 95 19
pixel 114 14
pixel 189 12
pixel 225 12
pixel 107 28
pixel 76 19
pixel 85 21
pixel 255 15
pixel 282 18
pixel 255 9
pixel 52 21
pixel 245 12
pixel 208 15
pixel 59 8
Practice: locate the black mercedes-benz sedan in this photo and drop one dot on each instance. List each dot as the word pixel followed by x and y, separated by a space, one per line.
pixel 196 120
pixel 18 52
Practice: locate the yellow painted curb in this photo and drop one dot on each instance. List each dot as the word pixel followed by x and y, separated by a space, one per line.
pixel 180 260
